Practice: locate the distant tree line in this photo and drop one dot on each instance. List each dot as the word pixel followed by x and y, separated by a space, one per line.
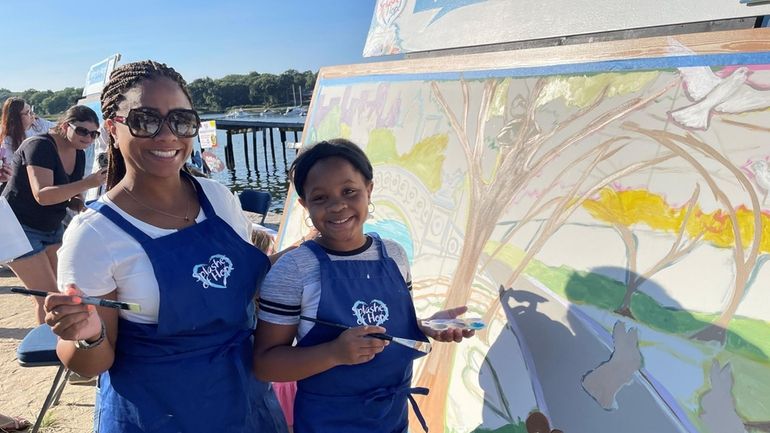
pixel 46 102
pixel 252 89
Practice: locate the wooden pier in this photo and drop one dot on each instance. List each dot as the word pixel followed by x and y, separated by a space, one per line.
pixel 266 126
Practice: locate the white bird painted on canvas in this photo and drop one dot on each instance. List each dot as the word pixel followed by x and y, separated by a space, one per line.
pixel 761 171
pixel 712 94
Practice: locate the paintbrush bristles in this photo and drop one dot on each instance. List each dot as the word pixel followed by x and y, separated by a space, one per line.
pixel 420 346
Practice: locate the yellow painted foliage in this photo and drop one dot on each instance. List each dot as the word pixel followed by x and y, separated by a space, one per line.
pixel 424 159
pixel 581 91
pixel 719 228
pixel 643 207
pixel 382 146
pixel 635 206
pixel 499 100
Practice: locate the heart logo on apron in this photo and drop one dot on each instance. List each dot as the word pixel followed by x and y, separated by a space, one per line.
pixel 374 313
pixel 215 272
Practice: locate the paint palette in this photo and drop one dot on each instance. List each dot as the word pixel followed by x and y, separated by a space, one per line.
pixel 474 324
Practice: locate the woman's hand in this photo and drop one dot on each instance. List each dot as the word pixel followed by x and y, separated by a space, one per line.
pixel 5 172
pixel 354 347
pixel 447 335
pixel 69 318
pixel 96 179
pixel 76 203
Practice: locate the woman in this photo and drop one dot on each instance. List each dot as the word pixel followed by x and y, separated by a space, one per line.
pixel 178 247
pixel 17 123
pixel 47 177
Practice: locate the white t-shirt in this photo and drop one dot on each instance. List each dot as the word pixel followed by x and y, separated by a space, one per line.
pixel 99 257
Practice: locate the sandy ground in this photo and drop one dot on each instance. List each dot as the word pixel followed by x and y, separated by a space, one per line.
pixel 23 390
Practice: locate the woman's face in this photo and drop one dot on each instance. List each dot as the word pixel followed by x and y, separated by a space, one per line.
pixel 162 155
pixel 27 118
pixel 73 131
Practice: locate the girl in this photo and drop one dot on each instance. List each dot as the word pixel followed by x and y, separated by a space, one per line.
pixel 47 177
pixel 345 382
pixel 178 247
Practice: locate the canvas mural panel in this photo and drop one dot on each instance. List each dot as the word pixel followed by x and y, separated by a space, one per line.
pixel 609 221
pixel 404 26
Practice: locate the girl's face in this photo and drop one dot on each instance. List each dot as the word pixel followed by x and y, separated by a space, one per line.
pixel 337 198
pixel 164 154
pixel 27 118
pixel 79 141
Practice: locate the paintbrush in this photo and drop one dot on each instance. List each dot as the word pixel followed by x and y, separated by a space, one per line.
pixel 90 300
pixel 420 346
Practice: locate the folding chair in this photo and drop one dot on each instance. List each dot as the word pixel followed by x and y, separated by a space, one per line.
pixel 255 201
pixel 38 349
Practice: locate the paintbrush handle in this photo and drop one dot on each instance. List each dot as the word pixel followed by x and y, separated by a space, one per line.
pixel 341 326
pixel 29 292
pixel 412 344
pixel 89 300
pixel 324 322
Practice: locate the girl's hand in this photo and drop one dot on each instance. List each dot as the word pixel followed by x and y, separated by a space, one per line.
pixel 354 347
pixel 69 318
pixel 447 335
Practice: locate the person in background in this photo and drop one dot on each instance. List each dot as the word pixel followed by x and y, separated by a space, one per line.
pixel 177 246
pixel 17 123
pixel 346 381
pixel 47 177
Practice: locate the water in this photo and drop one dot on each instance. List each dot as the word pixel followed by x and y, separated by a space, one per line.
pixel 274 179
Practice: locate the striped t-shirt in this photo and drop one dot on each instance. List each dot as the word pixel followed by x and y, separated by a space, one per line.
pixel 293 285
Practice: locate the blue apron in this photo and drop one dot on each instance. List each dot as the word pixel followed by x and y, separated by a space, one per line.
pixel 191 372
pixel 369 397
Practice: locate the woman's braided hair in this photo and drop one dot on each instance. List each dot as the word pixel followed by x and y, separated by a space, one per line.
pixel 122 79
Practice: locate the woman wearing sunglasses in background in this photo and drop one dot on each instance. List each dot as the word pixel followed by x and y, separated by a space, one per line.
pixel 47 177
pixel 179 248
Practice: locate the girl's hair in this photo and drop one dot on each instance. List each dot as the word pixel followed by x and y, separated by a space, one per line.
pixel 338 147
pixel 122 79
pixel 76 113
pixel 10 124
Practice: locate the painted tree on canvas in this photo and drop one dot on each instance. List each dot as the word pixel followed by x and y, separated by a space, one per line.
pixel 524 128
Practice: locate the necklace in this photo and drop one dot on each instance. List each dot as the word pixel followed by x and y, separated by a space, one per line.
pixel 186 209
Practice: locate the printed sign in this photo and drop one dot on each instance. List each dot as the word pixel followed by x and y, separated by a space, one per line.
pixel 208 134
pixel 98 75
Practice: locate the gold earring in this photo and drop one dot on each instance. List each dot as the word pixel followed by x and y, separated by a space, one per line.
pixel 308 222
pixel 371 208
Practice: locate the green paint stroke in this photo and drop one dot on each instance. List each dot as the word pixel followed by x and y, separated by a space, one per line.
pixel 330 127
pixel 746 337
pixel 751 382
pixel 519 427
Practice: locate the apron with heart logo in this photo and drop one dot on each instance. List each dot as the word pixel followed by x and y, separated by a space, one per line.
pixel 369 397
pixel 191 372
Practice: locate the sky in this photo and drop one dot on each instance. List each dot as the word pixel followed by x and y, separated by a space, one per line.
pixel 50 44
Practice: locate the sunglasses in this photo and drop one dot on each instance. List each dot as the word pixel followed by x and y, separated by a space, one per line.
pixel 147 123
pixel 84 132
